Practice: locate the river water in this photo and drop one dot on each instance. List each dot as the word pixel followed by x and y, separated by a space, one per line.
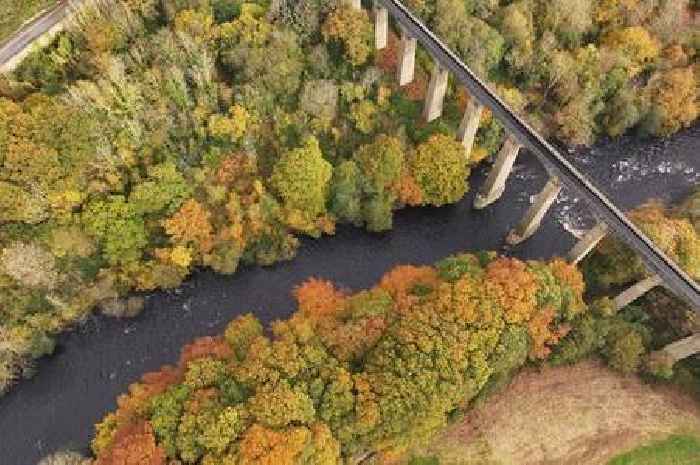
pixel 76 386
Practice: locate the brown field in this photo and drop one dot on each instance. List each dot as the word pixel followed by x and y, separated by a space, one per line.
pixel 582 415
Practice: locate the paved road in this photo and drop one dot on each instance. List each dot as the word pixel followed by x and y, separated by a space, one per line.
pixel 26 36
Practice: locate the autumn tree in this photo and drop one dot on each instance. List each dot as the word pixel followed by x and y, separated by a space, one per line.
pixel 440 168
pixel 349 375
pixel 613 263
pixel 17 204
pixel 30 265
pixel 635 43
pixel 353 30
pixel 301 178
pixel 673 95
pixel 191 225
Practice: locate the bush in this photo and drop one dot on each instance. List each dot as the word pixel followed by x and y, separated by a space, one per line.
pixel 624 350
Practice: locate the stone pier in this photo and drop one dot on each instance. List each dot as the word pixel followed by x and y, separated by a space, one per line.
pixel 635 291
pixel 381 26
pixel 495 184
pixel 683 348
pixel 435 96
pixel 534 215
pixel 587 243
pixel 407 58
pixel 469 125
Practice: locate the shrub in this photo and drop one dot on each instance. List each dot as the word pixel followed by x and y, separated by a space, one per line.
pixel 624 350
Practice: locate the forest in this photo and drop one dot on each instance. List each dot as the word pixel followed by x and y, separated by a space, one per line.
pixel 155 137
pixel 368 376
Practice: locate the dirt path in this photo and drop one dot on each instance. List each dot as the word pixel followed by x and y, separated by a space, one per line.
pixel 579 415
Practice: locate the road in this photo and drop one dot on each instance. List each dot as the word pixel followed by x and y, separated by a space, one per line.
pixel 27 35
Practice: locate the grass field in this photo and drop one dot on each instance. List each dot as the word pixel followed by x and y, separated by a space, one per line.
pixel 583 414
pixel 15 12
pixel 674 450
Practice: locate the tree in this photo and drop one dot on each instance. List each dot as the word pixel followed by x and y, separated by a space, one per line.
pixel 622 112
pixel 613 263
pixel 439 166
pixel 673 95
pixel 117 227
pixel 636 43
pixel 364 115
pixel 625 349
pixel 164 190
pixel 576 120
pixel 229 129
pixel 570 19
pixel 318 298
pixel 191 225
pixel 517 28
pixel 29 265
pixel 195 23
pixel 346 192
pixel 349 375
pixel 134 445
pixel 17 204
pixel 380 164
pixel 353 30
pixel 302 177
pixel 475 41
pixel 269 59
pixel 290 446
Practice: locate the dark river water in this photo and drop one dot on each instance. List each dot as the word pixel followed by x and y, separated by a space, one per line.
pixel 76 386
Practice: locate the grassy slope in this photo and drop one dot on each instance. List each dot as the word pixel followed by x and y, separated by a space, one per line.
pixel 674 450
pixel 584 414
pixel 15 12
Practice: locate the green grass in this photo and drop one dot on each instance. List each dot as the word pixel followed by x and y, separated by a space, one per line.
pixel 424 461
pixel 15 12
pixel 674 450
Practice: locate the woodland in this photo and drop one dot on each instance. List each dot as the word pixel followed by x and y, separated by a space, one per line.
pixel 152 138
pixel 155 137
pixel 370 376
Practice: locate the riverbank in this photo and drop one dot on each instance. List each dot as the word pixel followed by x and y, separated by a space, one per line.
pixel 76 386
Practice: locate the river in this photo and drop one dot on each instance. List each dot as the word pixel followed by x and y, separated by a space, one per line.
pixel 77 385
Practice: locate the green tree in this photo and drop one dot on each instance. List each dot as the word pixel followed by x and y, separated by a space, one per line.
pixel 302 177
pixel 16 204
pixel 117 227
pixel 440 168
pixel 164 190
